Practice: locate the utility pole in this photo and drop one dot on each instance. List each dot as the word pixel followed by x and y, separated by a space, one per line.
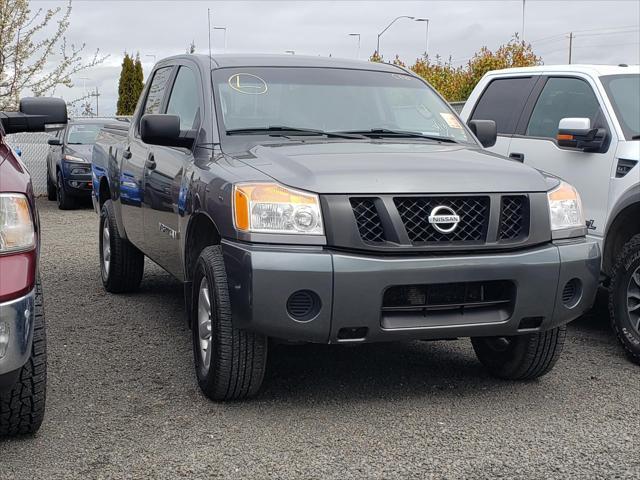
pixel 570 45
pixel 522 29
pixel 97 94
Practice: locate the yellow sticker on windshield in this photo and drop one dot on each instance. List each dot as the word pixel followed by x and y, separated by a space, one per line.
pixel 248 83
pixel 451 119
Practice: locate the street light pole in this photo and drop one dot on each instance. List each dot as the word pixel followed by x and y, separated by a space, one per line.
pixel 356 35
pixel 523 1
pixel 387 28
pixel 426 42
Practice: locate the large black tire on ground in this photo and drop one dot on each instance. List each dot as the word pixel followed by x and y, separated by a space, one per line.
pixel 126 263
pixel 65 201
pixel 624 298
pixel 52 193
pixel 22 407
pixel 238 357
pixel 521 357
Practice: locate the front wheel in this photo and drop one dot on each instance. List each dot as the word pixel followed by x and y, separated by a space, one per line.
pixel 229 362
pixel 52 193
pixel 22 407
pixel 65 201
pixel 624 298
pixel 121 263
pixel 521 357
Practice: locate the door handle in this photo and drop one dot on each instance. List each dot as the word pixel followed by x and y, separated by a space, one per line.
pixel 517 156
pixel 150 164
pixel 126 154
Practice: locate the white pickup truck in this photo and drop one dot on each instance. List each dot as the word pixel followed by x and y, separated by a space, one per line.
pixel 581 123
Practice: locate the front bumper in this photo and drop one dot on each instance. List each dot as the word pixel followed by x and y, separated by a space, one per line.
pixel 77 179
pixel 16 332
pixel 351 286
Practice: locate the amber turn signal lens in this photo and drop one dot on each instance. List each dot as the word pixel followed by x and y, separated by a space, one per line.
pixel 241 209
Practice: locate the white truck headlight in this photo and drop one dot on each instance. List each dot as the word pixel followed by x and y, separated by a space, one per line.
pixel 273 208
pixel 16 227
pixel 565 208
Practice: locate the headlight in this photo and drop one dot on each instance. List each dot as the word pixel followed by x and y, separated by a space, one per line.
pixel 565 207
pixel 72 158
pixel 16 227
pixel 272 208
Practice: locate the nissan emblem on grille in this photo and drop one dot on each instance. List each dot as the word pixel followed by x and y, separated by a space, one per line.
pixel 444 219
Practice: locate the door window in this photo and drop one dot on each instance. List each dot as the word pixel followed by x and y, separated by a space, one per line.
pixel 503 101
pixel 158 86
pixel 184 99
pixel 560 98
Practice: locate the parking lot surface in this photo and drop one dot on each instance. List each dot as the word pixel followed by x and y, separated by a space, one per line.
pixel 123 401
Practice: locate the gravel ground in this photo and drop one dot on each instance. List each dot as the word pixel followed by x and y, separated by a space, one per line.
pixel 123 401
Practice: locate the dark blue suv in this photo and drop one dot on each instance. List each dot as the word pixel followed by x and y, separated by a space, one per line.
pixel 69 162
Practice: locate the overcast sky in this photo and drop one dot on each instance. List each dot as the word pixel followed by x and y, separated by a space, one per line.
pixel 605 31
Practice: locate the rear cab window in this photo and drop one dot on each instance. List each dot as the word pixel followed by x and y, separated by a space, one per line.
pixel 503 101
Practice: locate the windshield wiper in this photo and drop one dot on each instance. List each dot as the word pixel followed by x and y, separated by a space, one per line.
pixel 385 132
pixel 282 131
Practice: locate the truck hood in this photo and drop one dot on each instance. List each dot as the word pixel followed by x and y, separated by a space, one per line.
pixel 82 151
pixel 379 168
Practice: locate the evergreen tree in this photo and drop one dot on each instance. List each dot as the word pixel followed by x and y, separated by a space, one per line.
pixel 130 85
pixel 125 85
pixel 138 81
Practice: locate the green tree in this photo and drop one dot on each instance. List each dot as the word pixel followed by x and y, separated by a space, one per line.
pixel 130 85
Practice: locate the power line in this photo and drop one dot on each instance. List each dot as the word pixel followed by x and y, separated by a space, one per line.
pixel 611 29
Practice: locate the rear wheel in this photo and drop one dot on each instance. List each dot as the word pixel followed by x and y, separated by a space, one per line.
pixel 65 201
pixel 624 298
pixel 229 362
pixel 22 408
pixel 520 357
pixel 121 263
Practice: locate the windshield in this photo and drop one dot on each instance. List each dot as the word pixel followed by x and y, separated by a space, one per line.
pixel 624 93
pixel 332 100
pixel 83 134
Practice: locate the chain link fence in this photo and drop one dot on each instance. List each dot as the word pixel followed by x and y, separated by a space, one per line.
pixel 34 150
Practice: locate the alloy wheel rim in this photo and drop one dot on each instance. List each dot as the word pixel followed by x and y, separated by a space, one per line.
pixel 633 299
pixel 204 325
pixel 106 248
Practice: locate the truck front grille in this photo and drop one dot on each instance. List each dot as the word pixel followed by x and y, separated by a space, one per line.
pixel 399 222
pixel 473 213
pixel 513 217
pixel 368 220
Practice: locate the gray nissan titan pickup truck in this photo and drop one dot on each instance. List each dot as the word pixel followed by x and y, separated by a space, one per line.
pixel 307 199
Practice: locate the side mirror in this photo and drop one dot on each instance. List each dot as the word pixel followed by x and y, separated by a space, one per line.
pixel 34 115
pixel 485 130
pixel 54 142
pixel 163 129
pixel 577 133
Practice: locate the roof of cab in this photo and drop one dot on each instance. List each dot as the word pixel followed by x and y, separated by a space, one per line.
pixel 266 60
pixel 593 70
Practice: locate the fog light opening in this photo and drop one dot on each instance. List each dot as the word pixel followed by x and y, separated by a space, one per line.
pixel 572 293
pixel 303 305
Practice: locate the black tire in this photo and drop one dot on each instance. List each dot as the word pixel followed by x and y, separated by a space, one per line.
pixel 237 357
pixel 52 193
pixel 22 408
pixel 125 267
pixel 65 201
pixel 625 285
pixel 521 357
